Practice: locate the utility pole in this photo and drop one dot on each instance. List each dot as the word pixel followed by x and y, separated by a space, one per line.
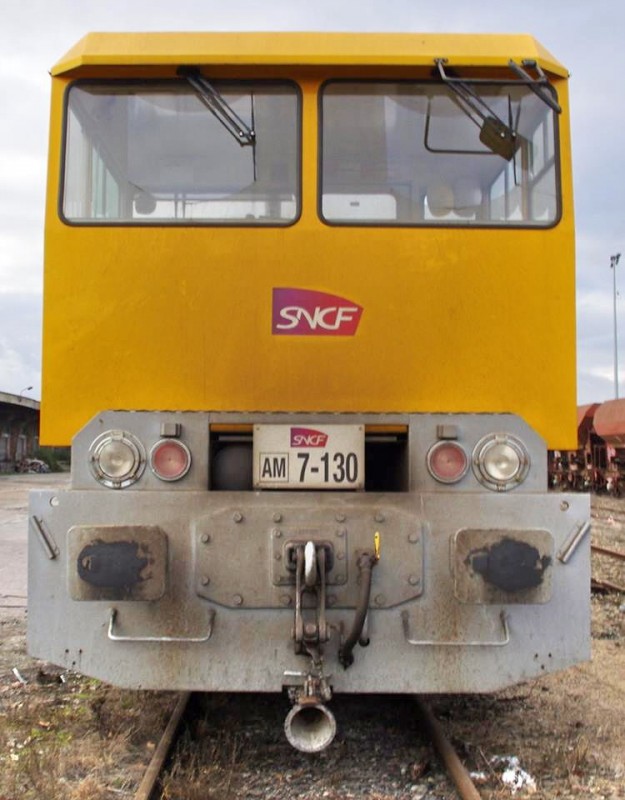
pixel 613 262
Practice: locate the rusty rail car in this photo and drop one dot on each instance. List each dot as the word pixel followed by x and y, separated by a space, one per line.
pixel 598 462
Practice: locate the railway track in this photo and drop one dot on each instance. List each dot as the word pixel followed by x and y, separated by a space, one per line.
pixel 151 789
pixel 151 786
pixel 602 584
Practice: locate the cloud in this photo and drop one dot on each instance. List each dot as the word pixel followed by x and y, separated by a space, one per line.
pixel 20 343
pixel 585 37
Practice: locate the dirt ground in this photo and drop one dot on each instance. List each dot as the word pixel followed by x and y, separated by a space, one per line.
pixel 63 736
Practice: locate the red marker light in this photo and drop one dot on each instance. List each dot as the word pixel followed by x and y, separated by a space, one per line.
pixel 170 460
pixel 447 462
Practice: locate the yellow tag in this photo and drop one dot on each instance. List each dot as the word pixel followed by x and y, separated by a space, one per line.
pixel 376 545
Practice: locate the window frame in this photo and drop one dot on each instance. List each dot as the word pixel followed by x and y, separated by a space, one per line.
pixel 183 223
pixel 506 225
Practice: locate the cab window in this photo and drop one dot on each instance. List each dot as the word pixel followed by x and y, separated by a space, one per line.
pixel 160 153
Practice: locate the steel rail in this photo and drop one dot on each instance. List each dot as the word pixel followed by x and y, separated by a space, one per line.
pixel 148 785
pixel 456 769
pixel 606 586
pixel 606 551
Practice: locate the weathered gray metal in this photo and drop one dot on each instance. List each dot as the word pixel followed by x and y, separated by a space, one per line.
pixel 221 575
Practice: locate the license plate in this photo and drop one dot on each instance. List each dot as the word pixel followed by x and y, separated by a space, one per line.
pixel 309 456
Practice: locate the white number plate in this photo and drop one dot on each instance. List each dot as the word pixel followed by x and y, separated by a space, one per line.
pixel 309 456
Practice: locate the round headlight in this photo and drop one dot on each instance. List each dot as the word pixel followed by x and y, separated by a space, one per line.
pixel 117 459
pixel 447 462
pixel 170 459
pixel 500 461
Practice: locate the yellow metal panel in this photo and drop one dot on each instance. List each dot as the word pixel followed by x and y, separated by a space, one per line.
pixel 455 320
pixel 141 49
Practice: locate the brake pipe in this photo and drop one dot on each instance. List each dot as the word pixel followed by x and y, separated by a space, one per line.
pixel 365 564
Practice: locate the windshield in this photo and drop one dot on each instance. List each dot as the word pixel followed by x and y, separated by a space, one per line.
pixel 411 153
pixel 154 153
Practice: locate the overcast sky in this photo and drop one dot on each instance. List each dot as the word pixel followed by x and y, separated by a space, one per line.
pixel 586 36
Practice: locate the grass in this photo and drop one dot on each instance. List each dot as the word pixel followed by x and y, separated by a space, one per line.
pixel 80 740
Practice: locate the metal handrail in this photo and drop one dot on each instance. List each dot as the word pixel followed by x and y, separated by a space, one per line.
pixel 115 637
pixel 432 643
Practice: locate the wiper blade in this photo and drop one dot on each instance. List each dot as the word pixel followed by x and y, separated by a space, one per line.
pixel 218 106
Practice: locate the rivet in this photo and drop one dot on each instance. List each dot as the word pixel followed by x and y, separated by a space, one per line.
pixel 237 516
pixel 205 538
pixel 340 517
pixel 380 599
pixel 340 556
pixel 310 629
pixel 414 580
pixel 277 517
pixel 277 533
pixel 379 517
pixel 341 532
pixel 278 557
pixel 413 538
pixel 331 599
pixel 564 506
pixel 285 600
pixel 205 580
pixel 340 578
pixel 237 599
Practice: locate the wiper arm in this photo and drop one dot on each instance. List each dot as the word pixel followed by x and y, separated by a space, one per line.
pixel 495 134
pixel 218 107
pixel 538 85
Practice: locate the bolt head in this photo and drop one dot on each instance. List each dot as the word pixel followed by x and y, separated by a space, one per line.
pixel 237 516
pixel 205 580
pixel 205 538
pixel 237 599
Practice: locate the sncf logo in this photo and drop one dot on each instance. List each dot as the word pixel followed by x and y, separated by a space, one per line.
pixel 307 437
pixel 303 312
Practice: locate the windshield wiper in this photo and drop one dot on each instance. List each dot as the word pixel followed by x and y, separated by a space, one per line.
pixel 495 134
pixel 540 85
pixel 218 106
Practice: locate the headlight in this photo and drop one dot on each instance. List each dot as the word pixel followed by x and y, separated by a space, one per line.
pixel 447 462
pixel 500 461
pixel 117 459
pixel 170 459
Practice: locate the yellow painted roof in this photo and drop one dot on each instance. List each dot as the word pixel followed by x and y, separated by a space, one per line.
pixel 388 49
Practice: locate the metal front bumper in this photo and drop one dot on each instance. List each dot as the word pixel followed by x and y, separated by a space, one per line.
pixel 212 606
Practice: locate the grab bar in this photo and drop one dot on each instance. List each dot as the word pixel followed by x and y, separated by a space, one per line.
pixel 115 637
pixel 431 643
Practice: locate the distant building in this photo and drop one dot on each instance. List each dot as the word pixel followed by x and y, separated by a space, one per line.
pixel 19 429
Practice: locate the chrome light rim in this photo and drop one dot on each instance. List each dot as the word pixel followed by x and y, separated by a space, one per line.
pixel 501 461
pixel 125 455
